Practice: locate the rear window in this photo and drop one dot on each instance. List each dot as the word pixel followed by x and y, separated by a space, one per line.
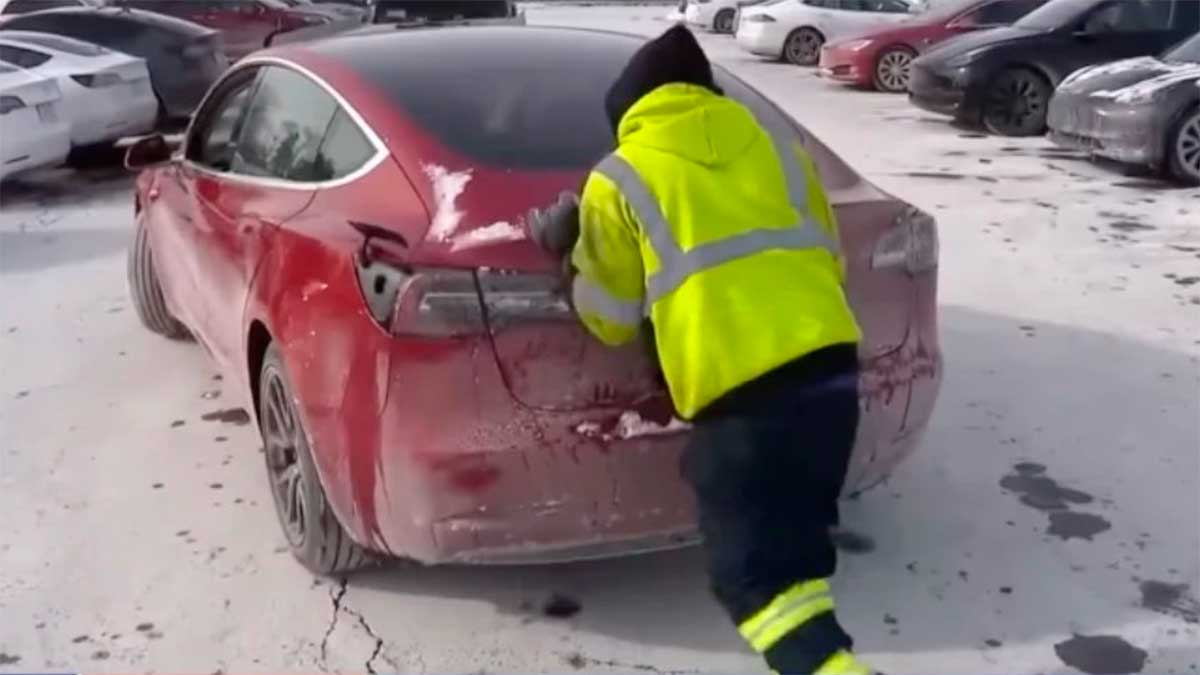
pixel 62 44
pixel 23 6
pixel 440 10
pixel 22 58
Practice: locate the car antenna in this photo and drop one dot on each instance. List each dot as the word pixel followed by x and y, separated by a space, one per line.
pixel 369 232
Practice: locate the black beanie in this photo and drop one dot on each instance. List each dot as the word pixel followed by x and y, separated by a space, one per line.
pixel 674 56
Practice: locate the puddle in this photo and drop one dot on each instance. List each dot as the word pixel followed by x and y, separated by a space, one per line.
pixel 1170 599
pixel 1101 655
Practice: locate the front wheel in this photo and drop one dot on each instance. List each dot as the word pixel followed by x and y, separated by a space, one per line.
pixel 803 47
pixel 893 69
pixel 1183 148
pixel 146 292
pixel 1016 104
pixel 723 22
pixel 314 534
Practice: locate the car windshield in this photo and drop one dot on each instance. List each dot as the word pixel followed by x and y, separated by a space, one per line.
pixel 1056 14
pixel 1188 52
pixel 59 43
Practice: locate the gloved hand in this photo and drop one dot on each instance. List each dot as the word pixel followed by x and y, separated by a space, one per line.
pixel 556 227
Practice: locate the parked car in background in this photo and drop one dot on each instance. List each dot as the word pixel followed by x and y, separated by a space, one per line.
pixel 1003 78
pixel 795 30
pixel 34 132
pixel 25 6
pixel 343 233
pixel 105 94
pixel 334 10
pixel 447 11
pixel 882 59
pixel 183 58
pixel 244 24
pixel 1143 111
pixel 717 16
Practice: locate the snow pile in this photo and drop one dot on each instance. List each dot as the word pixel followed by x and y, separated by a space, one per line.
pixel 490 234
pixel 631 425
pixel 447 186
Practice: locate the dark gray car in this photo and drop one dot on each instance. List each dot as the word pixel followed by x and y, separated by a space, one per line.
pixel 1143 111
pixel 183 58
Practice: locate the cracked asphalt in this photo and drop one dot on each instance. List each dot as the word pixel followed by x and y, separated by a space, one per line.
pixel 1049 524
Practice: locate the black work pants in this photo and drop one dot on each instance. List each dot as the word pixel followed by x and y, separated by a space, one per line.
pixel 767 462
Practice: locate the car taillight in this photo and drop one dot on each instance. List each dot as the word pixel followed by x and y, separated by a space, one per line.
pixel 9 104
pixel 443 302
pixel 912 244
pixel 97 80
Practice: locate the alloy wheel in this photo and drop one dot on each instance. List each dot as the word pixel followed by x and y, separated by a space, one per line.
pixel 893 70
pixel 1187 147
pixel 1017 105
pixel 724 21
pixel 281 435
pixel 804 47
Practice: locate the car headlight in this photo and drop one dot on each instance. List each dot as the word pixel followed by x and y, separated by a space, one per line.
pixel 858 45
pixel 759 18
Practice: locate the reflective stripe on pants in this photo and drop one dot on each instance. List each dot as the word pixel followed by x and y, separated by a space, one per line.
pixel 787 612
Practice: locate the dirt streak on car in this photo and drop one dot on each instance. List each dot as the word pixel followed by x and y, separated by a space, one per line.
pixel 342 234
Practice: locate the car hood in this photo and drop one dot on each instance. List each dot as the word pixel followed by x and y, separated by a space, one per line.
pixel 1129 80
pixel 911 30
pixel 968 42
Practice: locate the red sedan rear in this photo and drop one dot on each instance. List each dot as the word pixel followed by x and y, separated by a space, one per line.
pixel 341 232
pixel 882 59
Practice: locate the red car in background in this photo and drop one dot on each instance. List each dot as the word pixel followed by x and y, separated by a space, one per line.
pixel 342 233
pixel 244 24
pixel 882 60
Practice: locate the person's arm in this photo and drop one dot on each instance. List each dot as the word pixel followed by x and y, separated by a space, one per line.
pixel 608 288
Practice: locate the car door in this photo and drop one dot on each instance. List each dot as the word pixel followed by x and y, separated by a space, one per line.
pixel 272 176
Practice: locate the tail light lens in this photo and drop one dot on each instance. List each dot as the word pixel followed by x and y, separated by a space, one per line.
pixel 440 302
pixel 97 80
pixel 9 104
pixel 911 244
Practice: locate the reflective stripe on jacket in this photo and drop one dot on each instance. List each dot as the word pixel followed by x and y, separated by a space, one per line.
pixel 720 234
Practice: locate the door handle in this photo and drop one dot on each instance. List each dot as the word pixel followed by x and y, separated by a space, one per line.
pixel 152 194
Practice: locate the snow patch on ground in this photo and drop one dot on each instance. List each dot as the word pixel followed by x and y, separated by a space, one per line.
pixel 447 187
pixel 490 234
pixel 631 425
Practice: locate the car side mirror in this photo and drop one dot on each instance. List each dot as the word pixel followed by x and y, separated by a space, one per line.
pixel 150 151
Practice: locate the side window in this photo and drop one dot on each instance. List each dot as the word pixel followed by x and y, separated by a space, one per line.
pixel 217 125
pixel 893 7
pixel 821 3
pixel 1000 13
pixel 1186 17
pixel 23 6
pixel 284 126
pixel 22 58
pixel 344 150
pixel 1129 16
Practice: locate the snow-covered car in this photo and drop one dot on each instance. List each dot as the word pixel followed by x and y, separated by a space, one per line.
pixel 34 132
pixel 795 30
pixel 715 15
pixel 9 7
pixel 1143 111
pixel 105 94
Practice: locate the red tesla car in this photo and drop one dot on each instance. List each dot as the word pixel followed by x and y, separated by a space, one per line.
pixel 341 232
pixel 882 59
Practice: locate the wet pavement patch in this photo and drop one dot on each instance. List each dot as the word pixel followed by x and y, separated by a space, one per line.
pixel 576 661
pixel 100 654
pixel 1040 491
pixel 1101 655
pixel 8 659
pixel 1074 525
pixel 934 174
pixel 993 643
pixel 849 541
pixel 80 638
pixel 561 606
pixel 1130 226
pixel 177 423
pixel 1170 599
pixel 143 627
pixel 236 416
pixel 1187 281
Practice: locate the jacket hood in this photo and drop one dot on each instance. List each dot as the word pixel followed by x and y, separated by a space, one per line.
pixel 673 57
pixel 691 122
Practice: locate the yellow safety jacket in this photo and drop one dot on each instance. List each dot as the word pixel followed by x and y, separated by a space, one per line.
pixel 717 231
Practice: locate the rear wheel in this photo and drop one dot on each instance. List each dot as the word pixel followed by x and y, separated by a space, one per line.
pixel 314 534
pixel 147 293
pixel 893 68
pixel 1183 148
pixel 1016 104
pixel 723 21
pixel 803 47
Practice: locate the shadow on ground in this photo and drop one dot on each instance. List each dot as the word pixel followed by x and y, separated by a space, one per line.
pixel 959 563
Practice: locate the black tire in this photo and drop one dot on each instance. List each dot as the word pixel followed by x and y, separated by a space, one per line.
pixel 893 68
pixel 723 22
pixel 1016 102
pixel 1183 148
pixel 311 528
pixel 146 292
pixel 803 46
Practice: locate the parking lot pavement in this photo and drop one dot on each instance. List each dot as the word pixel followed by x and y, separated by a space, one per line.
pixel 1050 523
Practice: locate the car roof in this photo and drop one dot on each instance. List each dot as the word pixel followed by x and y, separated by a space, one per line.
pixel 39 40
pixel 151 19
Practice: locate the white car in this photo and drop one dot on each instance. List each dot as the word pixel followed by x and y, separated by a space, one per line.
pixel 26 6
pixel 33 131
pixel 106 94
pixel 717 16
pixel 795 30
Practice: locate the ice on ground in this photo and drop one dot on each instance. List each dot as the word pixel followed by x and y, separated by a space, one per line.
pixel 447 187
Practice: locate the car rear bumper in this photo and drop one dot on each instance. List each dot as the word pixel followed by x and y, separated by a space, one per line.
pixel 1132 134
pixel 844 65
